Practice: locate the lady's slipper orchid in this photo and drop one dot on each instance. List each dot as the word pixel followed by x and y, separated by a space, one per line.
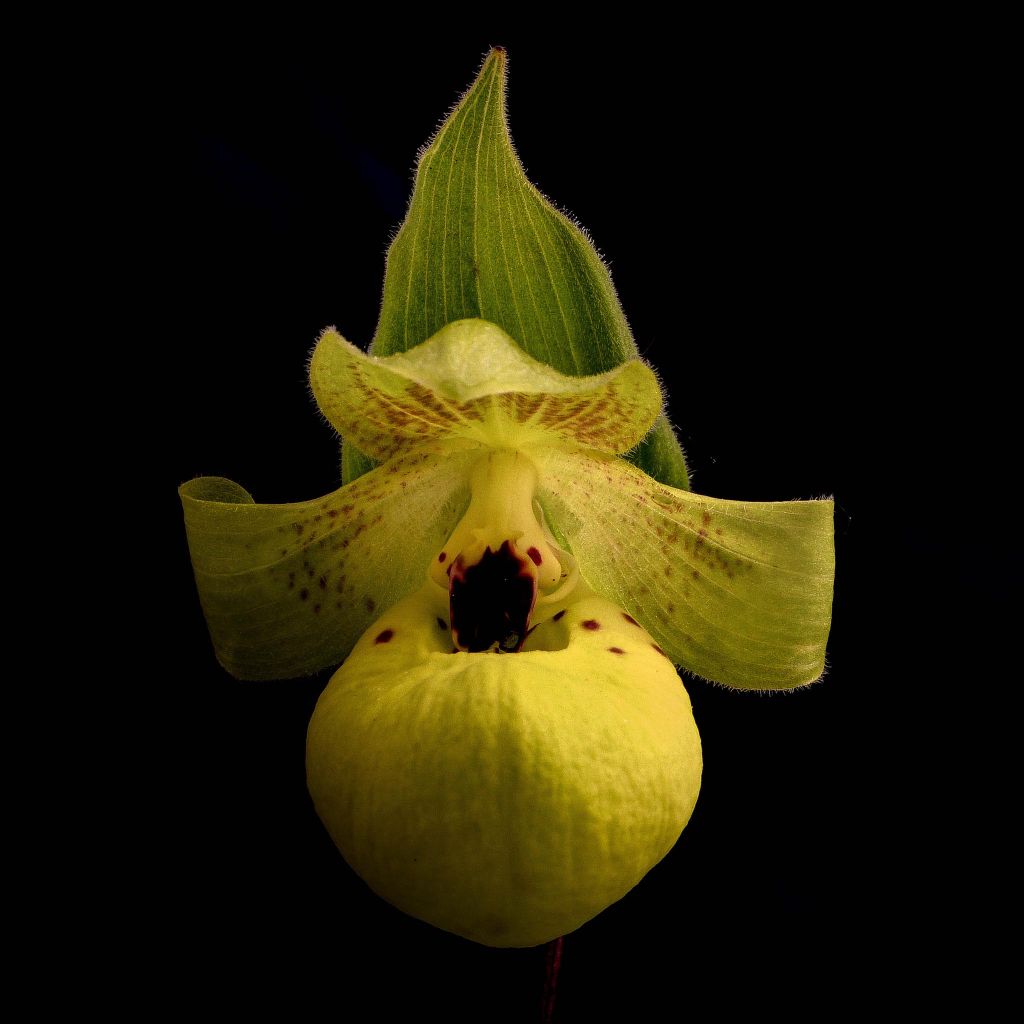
pixel 507 748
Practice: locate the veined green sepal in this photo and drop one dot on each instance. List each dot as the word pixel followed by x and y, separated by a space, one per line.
pixel 479 240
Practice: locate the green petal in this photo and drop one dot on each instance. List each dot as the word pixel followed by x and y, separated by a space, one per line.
pixel 738 592
pixel 471 379
pixel 479 240
pixel 288 589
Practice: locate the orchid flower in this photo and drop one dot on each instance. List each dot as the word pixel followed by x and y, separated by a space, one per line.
pixel 507 747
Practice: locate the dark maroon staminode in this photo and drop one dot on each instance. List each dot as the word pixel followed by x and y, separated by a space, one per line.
pixel 491 602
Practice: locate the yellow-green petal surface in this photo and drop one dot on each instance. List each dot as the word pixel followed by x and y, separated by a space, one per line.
pixel 739 592
pixel 287 589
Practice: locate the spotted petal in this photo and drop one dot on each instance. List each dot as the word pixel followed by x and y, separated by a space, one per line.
pixel 472 380
pixel 738 592
pixel 288 589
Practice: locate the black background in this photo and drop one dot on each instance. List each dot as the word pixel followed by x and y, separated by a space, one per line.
pixel 767 216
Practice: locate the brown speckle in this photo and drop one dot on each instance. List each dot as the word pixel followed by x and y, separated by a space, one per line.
pixel 370 604
pixel 385 636
pixel 323 582
pixel 535 556
pixel 299 527
pixel 706 517
pixel 629 618
pixel 695 574
pixel 616 650
pixel 590 624
pixel 303 594
pixel 316 609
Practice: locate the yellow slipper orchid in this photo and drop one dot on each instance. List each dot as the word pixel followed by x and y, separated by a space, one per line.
pixel 507 748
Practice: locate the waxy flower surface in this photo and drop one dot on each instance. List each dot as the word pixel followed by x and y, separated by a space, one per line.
pixel 511 573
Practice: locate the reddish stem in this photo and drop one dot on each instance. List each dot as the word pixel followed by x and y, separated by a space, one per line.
pixel 552 964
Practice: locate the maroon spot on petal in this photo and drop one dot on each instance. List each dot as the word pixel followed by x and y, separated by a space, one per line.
pixel 630 619
pixel 659 650
pixel 616 650
pixel 383 638
pixel 441 557
pixel 284 551
pixel 719 532
pixel 303 594
pixel 702 533
pixel 370 604
pixel 557 615
pixel 707 518
pixel 323 582
pixel 441 624
pixel 591 624
pixel 695 574
pixel 298 527
pixel 535 556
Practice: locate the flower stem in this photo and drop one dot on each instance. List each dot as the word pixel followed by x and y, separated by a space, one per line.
pixel 552 964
